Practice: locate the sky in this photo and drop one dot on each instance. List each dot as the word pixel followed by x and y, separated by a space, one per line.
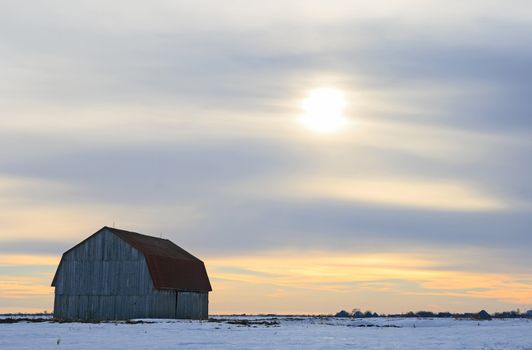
pixel 183 119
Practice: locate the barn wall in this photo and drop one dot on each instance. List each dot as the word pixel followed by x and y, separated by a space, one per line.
pixel 105 278
pixel 192 305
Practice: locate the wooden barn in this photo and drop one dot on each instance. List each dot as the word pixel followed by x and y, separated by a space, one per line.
pixel 118 275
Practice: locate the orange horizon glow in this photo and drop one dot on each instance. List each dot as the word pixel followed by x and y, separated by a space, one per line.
pixel 292 282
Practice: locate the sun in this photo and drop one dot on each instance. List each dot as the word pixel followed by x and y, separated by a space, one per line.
pixel 323 110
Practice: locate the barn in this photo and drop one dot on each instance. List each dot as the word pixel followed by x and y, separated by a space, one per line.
pixel 119 275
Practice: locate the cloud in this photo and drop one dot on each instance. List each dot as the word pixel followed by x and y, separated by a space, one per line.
pixel 170 118
pixel 401 192
pixel 142 62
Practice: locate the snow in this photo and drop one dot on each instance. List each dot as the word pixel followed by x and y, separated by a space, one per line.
pixel 285 333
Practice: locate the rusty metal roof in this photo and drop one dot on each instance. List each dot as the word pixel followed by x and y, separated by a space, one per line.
pixel 170 266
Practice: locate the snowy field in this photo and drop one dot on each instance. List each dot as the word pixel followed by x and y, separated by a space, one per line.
pixel 272 333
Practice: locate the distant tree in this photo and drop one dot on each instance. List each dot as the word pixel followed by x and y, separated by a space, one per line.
pixel 342 313
pixel 368 314
pixel 358 314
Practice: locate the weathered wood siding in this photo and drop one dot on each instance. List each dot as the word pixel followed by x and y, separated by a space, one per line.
pixel 192 305
pixel 105 278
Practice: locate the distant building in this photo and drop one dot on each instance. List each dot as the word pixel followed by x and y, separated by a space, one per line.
pixel 482 315
pixel 117 275
pixel 529 313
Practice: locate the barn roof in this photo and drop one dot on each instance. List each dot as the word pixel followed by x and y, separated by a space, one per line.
pixel 170 266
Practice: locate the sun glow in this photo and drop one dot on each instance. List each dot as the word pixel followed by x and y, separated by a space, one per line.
pixel 323 110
